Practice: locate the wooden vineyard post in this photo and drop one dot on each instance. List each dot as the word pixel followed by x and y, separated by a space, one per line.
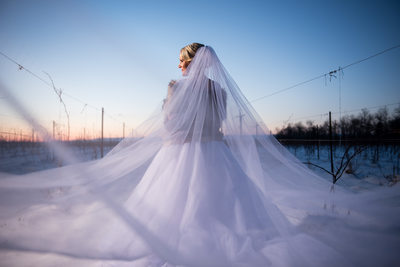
pixel 102 132
pixel 330 146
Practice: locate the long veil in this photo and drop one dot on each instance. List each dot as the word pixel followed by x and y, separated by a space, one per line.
pixel 202 183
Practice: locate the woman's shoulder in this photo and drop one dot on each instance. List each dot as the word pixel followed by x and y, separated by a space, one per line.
pixel 176 83
pixel 215 86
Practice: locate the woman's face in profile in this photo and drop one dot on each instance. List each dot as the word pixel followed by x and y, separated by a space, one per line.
pixel 183 64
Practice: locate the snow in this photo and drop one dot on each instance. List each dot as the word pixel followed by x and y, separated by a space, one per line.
pixel 368 169
pixel 25 157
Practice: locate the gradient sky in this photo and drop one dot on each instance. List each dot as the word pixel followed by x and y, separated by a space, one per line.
pixel 120 55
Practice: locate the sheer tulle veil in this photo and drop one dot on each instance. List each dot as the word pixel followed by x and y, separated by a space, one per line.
pixel 202 183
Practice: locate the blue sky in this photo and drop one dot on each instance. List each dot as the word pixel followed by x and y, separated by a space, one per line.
pixel 120 55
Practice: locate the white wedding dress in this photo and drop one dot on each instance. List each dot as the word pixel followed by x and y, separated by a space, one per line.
pixel 202 187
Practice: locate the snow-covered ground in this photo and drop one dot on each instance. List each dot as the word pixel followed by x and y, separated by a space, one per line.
pixel 370 169
pixel 373 167
pixel 21 158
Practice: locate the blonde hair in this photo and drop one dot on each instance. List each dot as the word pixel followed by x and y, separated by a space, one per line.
pixel 188 52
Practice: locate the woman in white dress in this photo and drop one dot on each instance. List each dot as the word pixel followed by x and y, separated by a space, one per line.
pixel 206 185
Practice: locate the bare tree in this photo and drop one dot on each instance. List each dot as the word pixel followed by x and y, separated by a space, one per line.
pixel 59 94
pixel 344 162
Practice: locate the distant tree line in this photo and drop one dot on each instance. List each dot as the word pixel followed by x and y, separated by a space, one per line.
pixel 366 126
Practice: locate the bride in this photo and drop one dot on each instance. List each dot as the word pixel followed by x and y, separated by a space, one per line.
pixel 205 185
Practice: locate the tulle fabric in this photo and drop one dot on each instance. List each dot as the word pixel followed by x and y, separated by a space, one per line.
pixel 204 184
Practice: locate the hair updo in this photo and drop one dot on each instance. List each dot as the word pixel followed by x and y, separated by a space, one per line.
pixel 188 52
